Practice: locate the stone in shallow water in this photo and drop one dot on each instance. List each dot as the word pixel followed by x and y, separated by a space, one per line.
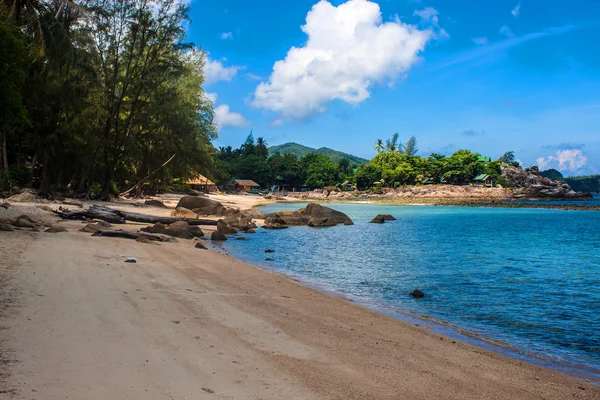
pixel 417 293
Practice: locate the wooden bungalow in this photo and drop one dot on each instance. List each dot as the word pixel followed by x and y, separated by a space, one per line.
pixel 244 185
pixel 202 183
pixel 483 180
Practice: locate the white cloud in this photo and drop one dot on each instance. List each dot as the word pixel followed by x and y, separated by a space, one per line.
pixel 215 71
pixel 565 160
pixel 429 18
pixel 505 30
pixel 348 50
pixel 224 117
pixel 211 96
pixel 480 40
pixel 515 11
pixel 227 35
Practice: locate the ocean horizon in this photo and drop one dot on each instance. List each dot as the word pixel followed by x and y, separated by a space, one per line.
pixel 527 279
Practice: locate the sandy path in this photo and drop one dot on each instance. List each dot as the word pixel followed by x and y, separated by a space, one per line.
pixel 80 323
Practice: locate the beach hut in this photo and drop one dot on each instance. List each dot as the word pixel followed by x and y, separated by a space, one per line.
pixel 245 185
pixel 483 180
pixel 202 183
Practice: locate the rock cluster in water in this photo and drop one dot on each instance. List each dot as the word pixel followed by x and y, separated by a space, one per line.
pixel 314 215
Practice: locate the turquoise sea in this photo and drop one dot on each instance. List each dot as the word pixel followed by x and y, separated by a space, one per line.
pixel 529 278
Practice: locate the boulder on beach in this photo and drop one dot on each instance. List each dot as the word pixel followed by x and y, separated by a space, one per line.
pixel 182 212
pixel 178 230
pixel 24 197
pixel 314 215
pixel 5 205
pixel 201 205
pixel 201 246
pixel 24 222
pixel 218 236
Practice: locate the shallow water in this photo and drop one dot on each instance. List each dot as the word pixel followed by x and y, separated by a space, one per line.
pixel 526 277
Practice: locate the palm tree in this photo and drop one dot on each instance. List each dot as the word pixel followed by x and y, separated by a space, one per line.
pixel 378 145
pixel 261 147
pixel 391 145
pixel 40 20
pixel 410 148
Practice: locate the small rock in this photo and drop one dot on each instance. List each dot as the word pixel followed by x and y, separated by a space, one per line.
pixel 24 223
pixel 179 225
pixel 25 197
pixel 417 293
pixel 207 390
pixel 196 231
pixel 73 202
pixel 131 260
pixel 5 205
pixel 218 236
pixel 251 230
pixel 378 219
pixel 269 251
pixel 6 228
pixel 200 245
pixel 155 203
pixel 56 229
pixel 145 241
pixel 269 259
pixel 241 238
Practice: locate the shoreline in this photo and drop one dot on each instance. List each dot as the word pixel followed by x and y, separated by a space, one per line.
pixel 183 320
pixel 437 326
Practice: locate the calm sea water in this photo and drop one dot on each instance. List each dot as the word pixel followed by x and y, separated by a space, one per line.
pixel 526 277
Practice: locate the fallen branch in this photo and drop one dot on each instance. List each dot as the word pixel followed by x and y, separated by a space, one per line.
pixel 130 235
pixel 119 217
pixel 138 186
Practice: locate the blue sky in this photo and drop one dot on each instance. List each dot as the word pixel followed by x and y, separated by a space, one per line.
pixel 489 76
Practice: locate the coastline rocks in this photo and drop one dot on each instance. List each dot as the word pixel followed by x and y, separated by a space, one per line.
pixel 24 222
pixel 201 205
pixel 381 218
pixel 527 183
pixel 314 215
pixel 182 212
pixel 201 246
pixel 178 229
pixel 417 294
pixel 5 205
pixel 269 251
pixel 218 236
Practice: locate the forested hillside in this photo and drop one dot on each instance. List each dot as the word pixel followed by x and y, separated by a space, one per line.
pixel 300 151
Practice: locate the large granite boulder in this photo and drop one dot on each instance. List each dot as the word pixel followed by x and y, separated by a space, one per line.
pixel 314 215
pixel 529 184
pixel 201 205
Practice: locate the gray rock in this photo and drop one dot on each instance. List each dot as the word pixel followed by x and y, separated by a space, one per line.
pixel 218 236
pixel 56 229
pixel 200 245
pixel 6 228
pixel 201 205
pixel 155 203
pixel 314 215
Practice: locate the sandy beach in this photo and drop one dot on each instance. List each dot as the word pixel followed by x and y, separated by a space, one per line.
pixel 183 323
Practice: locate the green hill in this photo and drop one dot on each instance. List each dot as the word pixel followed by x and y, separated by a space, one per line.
pixel 300 150
pixel 590 183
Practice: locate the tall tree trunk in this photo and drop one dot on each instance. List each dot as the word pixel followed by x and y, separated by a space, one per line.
pixel 4 153
pixel 45 185
pixel 106 183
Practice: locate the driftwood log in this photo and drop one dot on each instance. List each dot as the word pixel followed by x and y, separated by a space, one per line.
pixel 131 235
pixel 119 217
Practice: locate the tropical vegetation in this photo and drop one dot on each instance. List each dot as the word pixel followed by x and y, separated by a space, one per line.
pixel 97 95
